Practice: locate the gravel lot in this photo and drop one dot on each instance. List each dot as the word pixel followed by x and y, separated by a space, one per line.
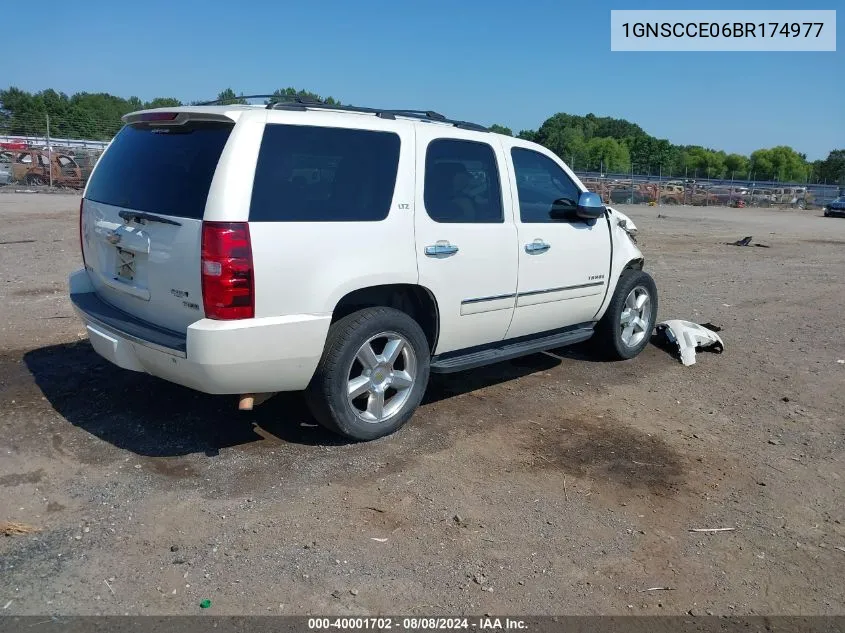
pixel 551 484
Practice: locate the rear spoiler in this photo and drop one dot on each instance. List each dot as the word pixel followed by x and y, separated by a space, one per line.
pixel 171 117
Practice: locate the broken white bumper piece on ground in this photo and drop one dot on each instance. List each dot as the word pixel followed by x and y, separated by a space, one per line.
pixel 689 337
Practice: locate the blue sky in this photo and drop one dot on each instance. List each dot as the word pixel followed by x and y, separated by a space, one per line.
pixel 514 62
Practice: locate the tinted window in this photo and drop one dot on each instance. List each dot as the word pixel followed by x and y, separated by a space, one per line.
pixel 462 182
pixel 165 170
pixel 542 186
pixel 321 174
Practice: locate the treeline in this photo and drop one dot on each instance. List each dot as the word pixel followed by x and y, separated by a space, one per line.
pixel 586 142
pixel 594 143
pixel 89 116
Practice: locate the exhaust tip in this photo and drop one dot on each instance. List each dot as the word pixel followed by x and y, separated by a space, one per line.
pixel 248 401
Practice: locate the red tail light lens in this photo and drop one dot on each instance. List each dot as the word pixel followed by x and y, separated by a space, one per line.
pixel 227 275
pixel 81 242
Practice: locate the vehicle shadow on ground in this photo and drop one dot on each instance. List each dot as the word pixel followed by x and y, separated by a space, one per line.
pixel 156 418
pixel 152 417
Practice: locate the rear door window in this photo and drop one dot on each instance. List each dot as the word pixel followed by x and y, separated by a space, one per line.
pixel 160 169
pixel 322 174
pixel 462 182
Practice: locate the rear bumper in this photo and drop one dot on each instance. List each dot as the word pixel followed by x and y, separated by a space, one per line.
pixel 219 357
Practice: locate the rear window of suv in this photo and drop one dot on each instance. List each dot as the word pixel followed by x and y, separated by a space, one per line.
pixel 165 170
pixel 323 174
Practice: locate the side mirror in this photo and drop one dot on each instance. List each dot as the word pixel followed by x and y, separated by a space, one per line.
pixel 590 206
pixel 564 209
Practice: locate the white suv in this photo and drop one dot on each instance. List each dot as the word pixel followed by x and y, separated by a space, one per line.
pixel 346 252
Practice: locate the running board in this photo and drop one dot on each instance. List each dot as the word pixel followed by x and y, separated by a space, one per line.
pixel 506 350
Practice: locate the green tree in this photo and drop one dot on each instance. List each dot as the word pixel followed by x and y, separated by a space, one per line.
pixel 736 166
pixel 705 163
pixel 293 92
pixel 528 135
pixel 662 152
pixel 163 102
pixel 832 168
pixel 641 150
pixel 228 97
pixel 501 129
pixel 608 153
pixel 781 163
pixel 560 135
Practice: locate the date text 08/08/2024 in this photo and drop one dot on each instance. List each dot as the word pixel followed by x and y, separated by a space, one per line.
pixel 416 624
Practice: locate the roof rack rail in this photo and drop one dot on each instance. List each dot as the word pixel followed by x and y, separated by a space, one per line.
pixel 278 98
pixel 383 113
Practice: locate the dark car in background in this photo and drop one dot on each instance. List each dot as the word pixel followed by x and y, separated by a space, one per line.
pixel 627 195
pixel 835 207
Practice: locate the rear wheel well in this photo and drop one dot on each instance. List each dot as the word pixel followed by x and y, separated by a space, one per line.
pixel 415 301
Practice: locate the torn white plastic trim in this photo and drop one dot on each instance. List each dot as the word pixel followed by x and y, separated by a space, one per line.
pixel 628 226
pixel 689 337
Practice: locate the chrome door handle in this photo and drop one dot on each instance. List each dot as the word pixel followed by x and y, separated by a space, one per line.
pixel 536 247
pixel 441 249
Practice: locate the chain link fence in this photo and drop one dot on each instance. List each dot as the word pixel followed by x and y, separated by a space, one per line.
pixel 37 151
pixel 662 190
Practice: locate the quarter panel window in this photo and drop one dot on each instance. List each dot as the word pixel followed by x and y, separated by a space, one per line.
pixel 324 174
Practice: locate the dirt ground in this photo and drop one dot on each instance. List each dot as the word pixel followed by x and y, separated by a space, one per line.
pixel 553 484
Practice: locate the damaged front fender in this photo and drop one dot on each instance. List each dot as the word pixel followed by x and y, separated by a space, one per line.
pixel 624 222
pixel 626 253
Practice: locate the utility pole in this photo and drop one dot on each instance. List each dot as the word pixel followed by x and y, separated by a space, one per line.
pixel 659 178
pixel 731 190
pixel 49 152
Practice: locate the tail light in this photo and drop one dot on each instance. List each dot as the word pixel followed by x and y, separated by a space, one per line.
pixel 157 116
pixel 81 241
pixel 227 274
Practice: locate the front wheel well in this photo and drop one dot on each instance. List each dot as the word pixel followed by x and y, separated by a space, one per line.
pixel 635 264
pixel 414 300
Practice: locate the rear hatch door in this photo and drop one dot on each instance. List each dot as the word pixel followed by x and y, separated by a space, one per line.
pixel 141 224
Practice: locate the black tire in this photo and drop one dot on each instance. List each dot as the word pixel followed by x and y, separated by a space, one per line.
pixel 34 180
pixel 326 394
pixel 608 335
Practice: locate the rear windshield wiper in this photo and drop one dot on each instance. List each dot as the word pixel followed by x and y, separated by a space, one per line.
pixel 149 217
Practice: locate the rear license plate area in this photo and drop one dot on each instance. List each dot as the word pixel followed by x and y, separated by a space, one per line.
pixel 125 265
